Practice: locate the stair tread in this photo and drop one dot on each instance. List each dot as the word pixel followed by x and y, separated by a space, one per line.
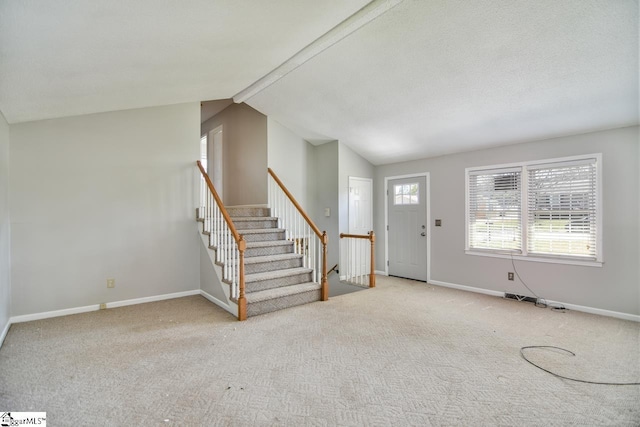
pixel 271 258
pixel 259 230
pixel 276 274
pixel 268 243
pixel 281 292
pixel 253 218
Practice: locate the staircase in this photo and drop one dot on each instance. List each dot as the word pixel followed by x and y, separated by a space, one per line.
pixel 263 263
pixel 275 278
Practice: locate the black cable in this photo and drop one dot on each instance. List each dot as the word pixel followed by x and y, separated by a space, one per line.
pixel 540 302
pixel 561 376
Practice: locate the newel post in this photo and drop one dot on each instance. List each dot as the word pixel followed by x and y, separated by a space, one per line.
pixel 242 300
pixel 324 290
pixel 372 274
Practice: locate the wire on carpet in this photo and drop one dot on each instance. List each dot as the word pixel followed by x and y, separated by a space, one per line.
pixel 562 376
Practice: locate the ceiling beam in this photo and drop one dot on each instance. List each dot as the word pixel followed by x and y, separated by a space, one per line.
pixel 356 21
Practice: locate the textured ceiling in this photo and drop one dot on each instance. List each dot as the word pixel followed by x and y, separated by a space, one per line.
pixel 77 56
pixel 423 79
pixel 436 77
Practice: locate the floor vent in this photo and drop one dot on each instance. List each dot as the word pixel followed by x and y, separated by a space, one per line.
pixel 520 298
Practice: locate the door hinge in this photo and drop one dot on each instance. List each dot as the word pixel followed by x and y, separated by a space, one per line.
pixel 387 228
pixel 387 192
pixel 387 263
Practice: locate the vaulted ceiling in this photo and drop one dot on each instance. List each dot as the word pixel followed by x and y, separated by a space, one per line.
pixel 422 79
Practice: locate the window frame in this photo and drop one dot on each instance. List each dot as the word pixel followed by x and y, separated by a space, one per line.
pixel 522 253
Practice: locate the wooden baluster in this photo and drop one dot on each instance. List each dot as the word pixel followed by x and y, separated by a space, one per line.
pixel 242 300
pixel 372 274
pixel 324 292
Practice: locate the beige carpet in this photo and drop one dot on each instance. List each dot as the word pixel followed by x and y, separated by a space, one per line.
pixel 404 353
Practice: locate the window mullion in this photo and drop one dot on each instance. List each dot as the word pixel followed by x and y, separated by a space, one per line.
pixel 524 211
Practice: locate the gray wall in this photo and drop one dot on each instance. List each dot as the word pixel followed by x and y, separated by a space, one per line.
pixel 293 160
pixel 244 150
pixel 103 196
pixel 614 286
pixel 327 182
pixel 5 241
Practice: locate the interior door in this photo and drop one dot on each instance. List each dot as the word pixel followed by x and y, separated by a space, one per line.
pixel 407 204
pixel 356 252
pixel 215 170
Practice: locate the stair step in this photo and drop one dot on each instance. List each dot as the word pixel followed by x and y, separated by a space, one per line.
pixel 244 211
pixel 278 278
pixel 259 264
pixel 280 298
pixel 262 234
pixel 255 222
pixel 274 247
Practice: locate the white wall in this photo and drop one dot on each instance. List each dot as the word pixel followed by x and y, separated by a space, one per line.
pixel 5 258
pixel 614 286
pixel 103 196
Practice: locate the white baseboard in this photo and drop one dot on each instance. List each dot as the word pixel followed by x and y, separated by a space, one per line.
pixel 152 299
pixel 466 288
pixel 55 313
pixel 95 307
pixel 221 304
pixel 599 311
pixel 4 332
pixel 381 273
pixel 582 308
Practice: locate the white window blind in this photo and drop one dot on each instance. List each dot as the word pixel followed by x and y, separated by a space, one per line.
pixel 494 209
pixel 562 204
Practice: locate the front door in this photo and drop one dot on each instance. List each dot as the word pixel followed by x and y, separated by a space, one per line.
pixel 407 203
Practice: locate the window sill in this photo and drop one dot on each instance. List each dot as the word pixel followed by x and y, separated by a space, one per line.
pixel 568 261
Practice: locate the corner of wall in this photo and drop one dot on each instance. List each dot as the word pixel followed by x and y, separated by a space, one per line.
pixel 5 230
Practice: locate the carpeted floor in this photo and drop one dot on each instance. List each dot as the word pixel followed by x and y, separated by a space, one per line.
pixel 404 353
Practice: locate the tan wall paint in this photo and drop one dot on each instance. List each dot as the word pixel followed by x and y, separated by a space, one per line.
pixel 244 148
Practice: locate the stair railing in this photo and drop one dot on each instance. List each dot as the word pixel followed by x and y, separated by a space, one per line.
pixel 307 238
pixel 358 259
pixel 224 238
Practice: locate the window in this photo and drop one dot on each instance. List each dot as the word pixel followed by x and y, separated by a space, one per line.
pixel 546 209
pixel 406 194
pixel 494 209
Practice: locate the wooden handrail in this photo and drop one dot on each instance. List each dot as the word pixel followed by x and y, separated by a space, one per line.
pixel 242 245
pixel 355 236
pixel 295 203
pixel 225 214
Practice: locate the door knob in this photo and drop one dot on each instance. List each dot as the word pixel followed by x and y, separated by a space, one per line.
pixel 423 234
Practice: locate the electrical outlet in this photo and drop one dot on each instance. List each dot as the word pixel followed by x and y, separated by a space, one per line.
pixel 111 283
pixel 103 306
pixel 510 275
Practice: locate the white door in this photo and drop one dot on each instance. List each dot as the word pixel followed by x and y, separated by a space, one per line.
pixel 407 216
pixel 215 170
pixel 356 253
pixel 360 205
